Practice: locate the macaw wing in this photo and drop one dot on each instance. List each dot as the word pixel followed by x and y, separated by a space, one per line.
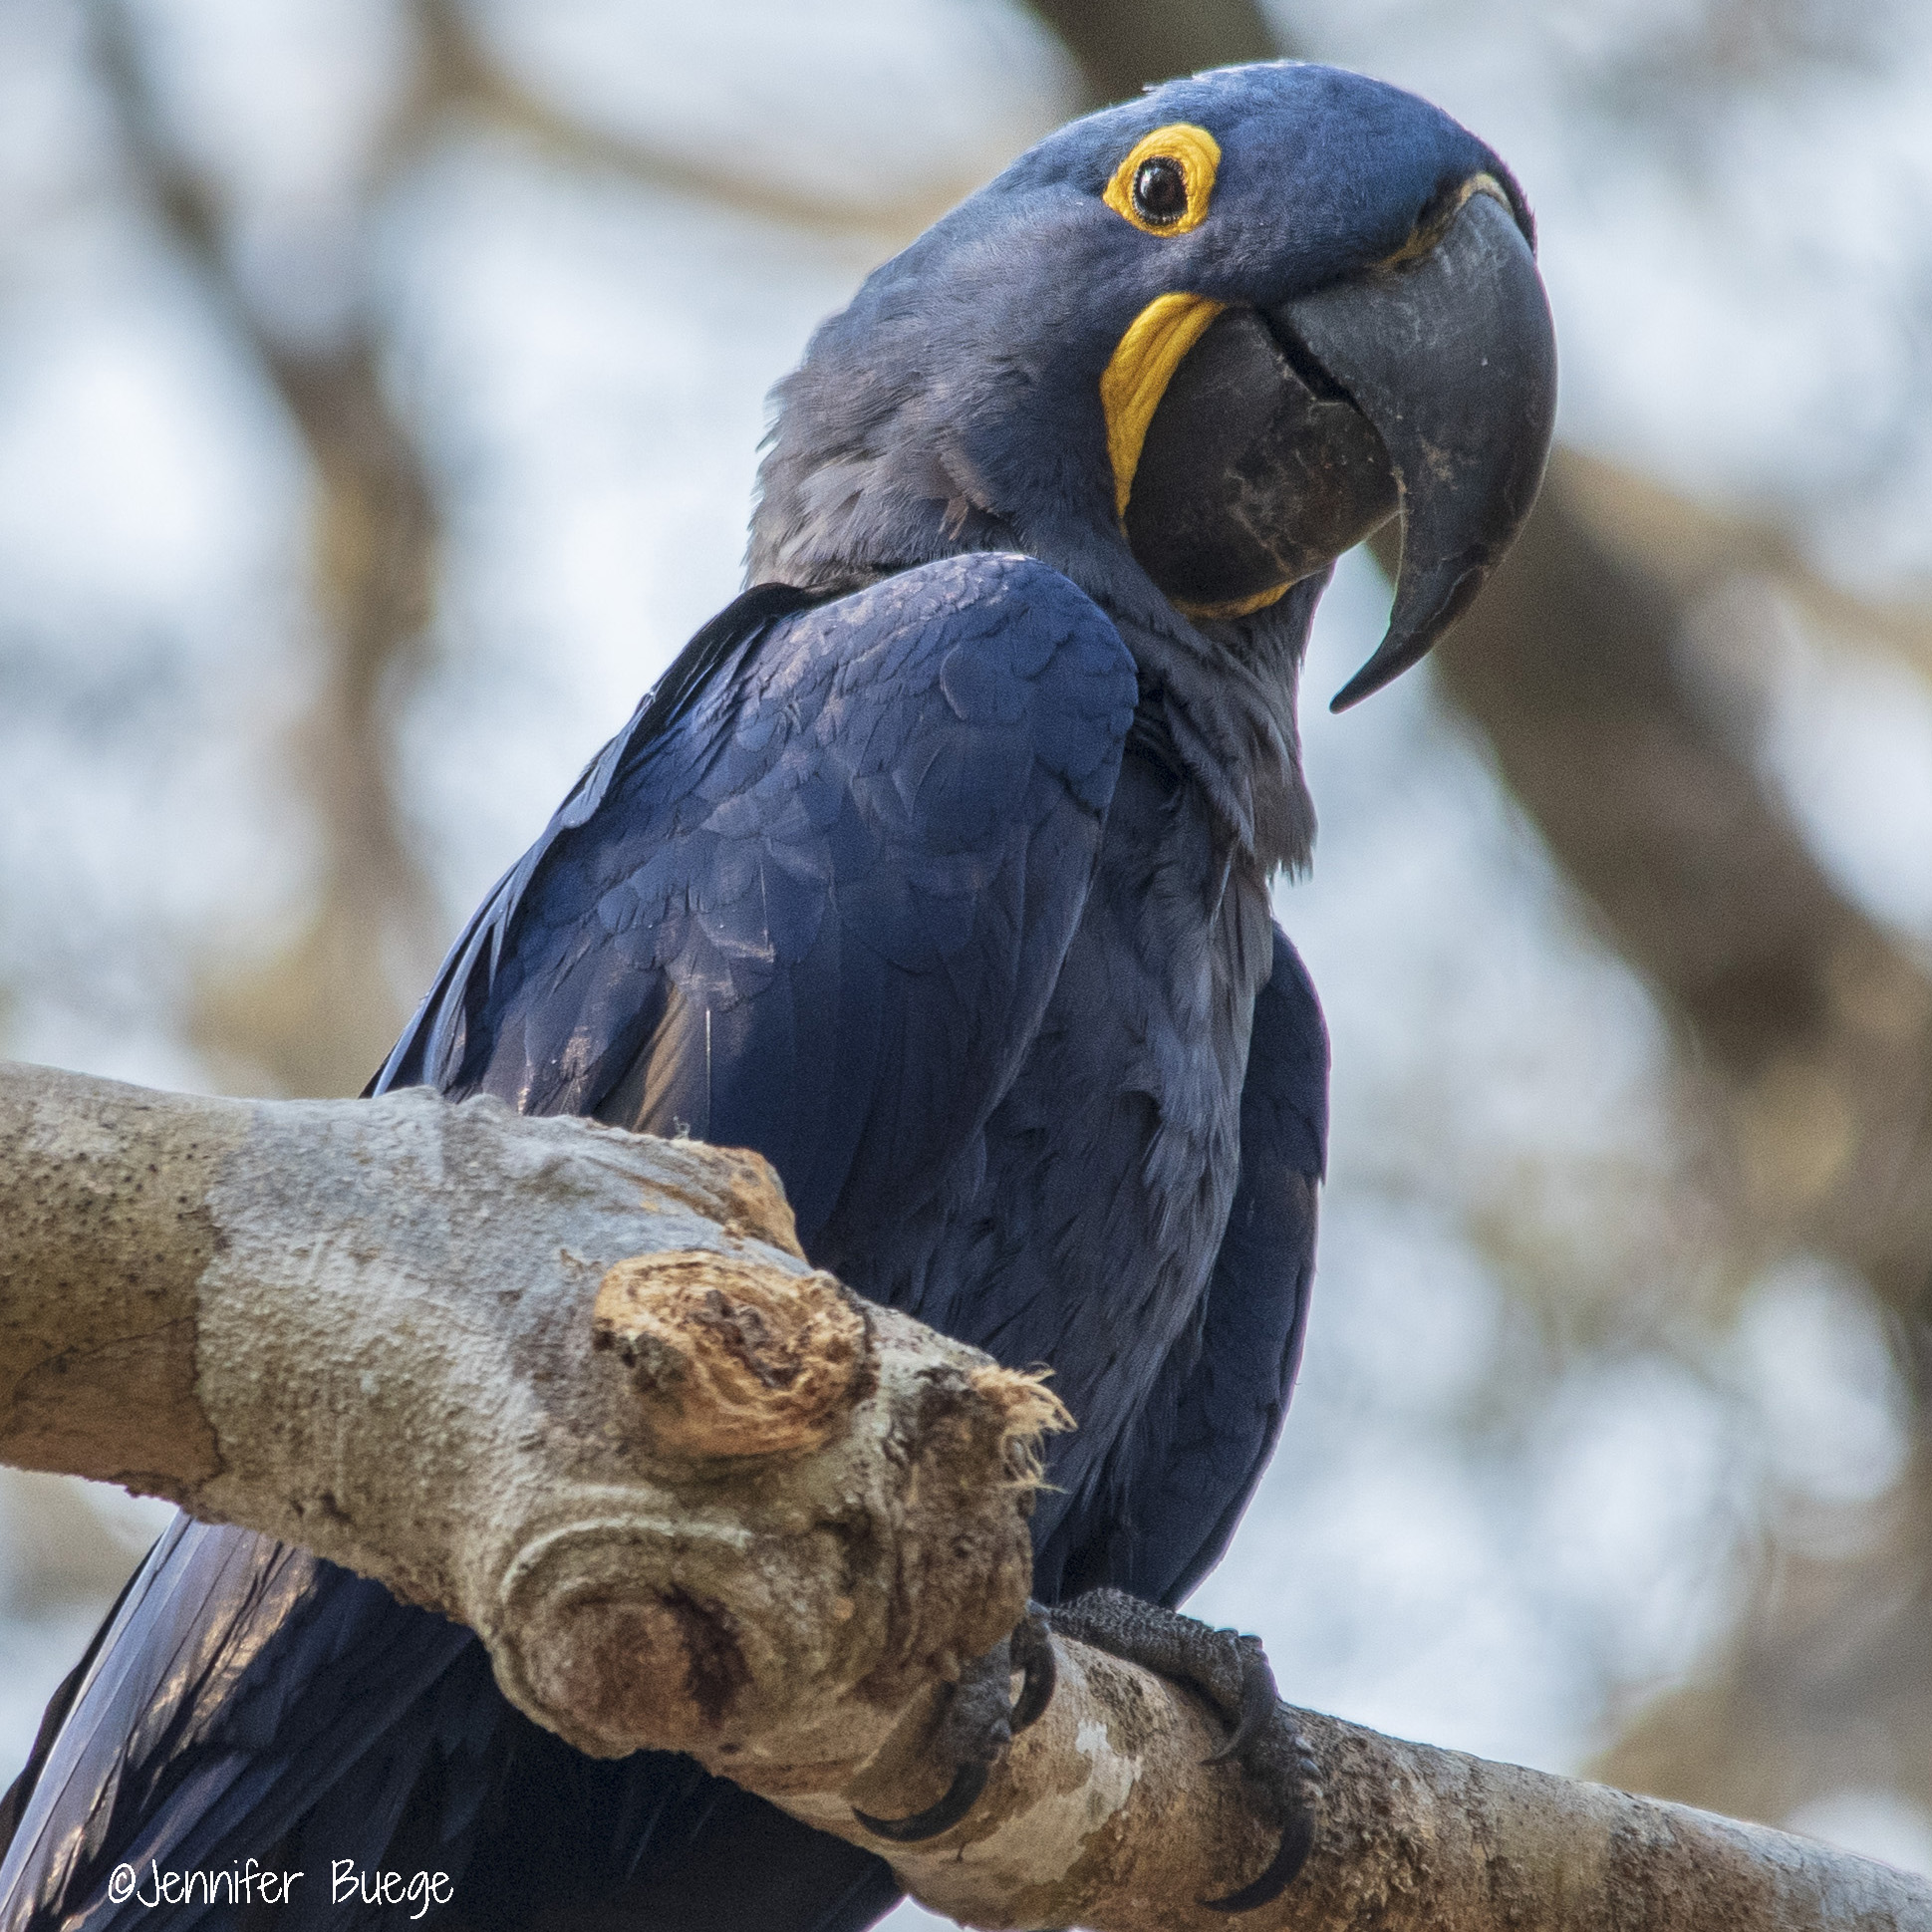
pixel 1164 1506
pixel 821 911
pixel 431 1050
pixel 238 1686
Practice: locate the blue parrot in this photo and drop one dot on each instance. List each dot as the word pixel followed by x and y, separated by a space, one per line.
pixel 936 869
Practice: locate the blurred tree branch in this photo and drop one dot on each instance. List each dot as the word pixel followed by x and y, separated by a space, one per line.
pixel 458 76
pixel 1640 778
pixel 1812 1031
pixel 319 1016
pixel 1123 46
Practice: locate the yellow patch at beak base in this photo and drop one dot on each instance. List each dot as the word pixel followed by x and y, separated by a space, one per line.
pixel 1137 373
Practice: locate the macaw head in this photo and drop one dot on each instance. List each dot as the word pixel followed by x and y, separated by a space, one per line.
pixel 1189 350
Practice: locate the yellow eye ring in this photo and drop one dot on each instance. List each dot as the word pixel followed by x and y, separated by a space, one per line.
pixel 1193 151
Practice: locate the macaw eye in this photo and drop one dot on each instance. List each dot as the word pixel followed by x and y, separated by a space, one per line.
pixel 1164 183
pixel 1161 191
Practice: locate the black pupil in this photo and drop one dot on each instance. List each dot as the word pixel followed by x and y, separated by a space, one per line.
pixel 1160 190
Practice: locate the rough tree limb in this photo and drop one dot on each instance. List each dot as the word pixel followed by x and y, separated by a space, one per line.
pixel 581 1390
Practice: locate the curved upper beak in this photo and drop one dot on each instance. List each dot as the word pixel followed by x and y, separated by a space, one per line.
pixel 1451 357
pixel 1426 385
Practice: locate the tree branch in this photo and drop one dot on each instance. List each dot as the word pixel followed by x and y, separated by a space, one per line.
pixel 1122 46
pixel 1818 1021
pixel 581 1390
pixel 459 75
pixel 1813 1029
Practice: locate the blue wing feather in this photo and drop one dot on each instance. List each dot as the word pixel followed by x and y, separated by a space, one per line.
pixel 822 914
pixel 431 1050
pixel 225 1643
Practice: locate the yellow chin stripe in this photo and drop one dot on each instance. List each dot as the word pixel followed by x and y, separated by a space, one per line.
pixel 1137 373
pixel 1235 607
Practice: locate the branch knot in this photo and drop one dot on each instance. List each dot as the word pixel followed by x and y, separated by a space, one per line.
pixel 735 1356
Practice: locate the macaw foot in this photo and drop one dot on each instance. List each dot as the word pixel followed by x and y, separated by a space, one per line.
pixel 1280 1777
pixel 982 1717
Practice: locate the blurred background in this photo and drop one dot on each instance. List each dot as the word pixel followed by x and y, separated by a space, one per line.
pixel 381 386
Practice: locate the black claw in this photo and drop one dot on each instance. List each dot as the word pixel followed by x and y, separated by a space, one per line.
pixel 962 1796
pixel 1259 1701
pixel 1289 1856
pixel 980 1724
pixel 1032 1656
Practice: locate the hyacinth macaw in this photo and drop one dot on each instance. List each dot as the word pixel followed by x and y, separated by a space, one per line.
pixel 937 869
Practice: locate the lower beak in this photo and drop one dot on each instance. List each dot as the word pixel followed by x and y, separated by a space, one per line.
pixel 1426 385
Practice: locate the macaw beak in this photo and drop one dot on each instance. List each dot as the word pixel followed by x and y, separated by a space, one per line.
pixel 1426 387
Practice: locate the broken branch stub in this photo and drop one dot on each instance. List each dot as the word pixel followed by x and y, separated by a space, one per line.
pixel 731 1357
